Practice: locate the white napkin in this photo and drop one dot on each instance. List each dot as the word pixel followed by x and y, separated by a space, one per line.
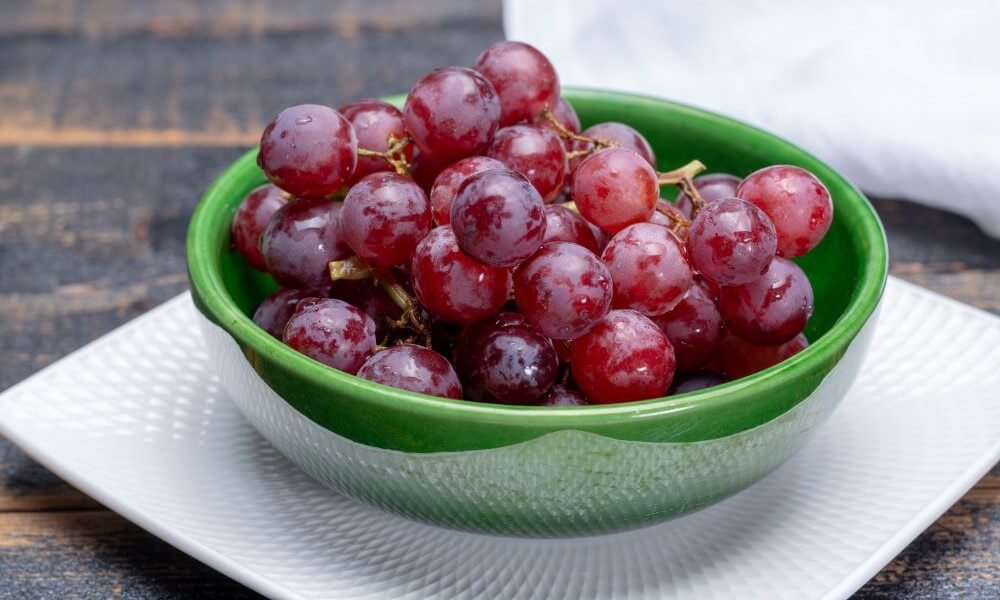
pixel 903 97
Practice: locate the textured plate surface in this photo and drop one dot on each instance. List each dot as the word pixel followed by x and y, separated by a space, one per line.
pixel 139 421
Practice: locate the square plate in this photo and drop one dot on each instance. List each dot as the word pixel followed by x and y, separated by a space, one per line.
pixel 139 421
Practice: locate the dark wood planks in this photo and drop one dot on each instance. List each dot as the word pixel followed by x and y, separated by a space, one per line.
pixel 97 554
pixel 156 74
pixel 114 115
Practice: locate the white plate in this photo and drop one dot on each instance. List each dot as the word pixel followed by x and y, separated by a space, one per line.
pixel 138 421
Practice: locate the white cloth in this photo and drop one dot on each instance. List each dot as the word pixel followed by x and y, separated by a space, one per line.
pixel 902 96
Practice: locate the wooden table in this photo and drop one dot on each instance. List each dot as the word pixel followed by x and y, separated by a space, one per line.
pixel 114 115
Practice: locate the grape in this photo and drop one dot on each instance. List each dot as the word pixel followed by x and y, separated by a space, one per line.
pixel 563 290
pixel 498 218
pixel 772 309
pixel 250 220
pixel 369 296
pixel 601 236
pixel 524 79
pixel 414 368
pixel 692 382
pixel 563 225
pixel 536 153
pixel 711 187
pixel 731 242
pixel 624 357
pixel 797 202
pixel 649 267
pixel 711 287
pixel 374 123
pixel 425 168
pixel 673 222
pixel 464 355
pixel 564 349
pixel 694 328
pixel 452 286
pixel 449 180
pixel 452 113
pixel 510 364
pixel 385 215
pixel 561 395
pixel 274 311
pixel 615 187
pixel 739 358
pixel 564 114
pixel 308 150
pixel 300 241
pixel 624 136
pixel 332 332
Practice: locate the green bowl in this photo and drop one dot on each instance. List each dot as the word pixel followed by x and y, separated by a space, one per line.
pixel 550 471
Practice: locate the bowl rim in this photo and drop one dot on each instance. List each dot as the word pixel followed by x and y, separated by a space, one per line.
pixel 204 270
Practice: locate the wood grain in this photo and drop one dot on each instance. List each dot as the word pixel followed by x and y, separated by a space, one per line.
pixel 97 554
pixel 114 116
pixel 161 74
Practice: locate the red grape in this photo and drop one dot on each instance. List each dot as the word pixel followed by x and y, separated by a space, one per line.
pixel 624 136
pixel 385 215
pixel 600 235
pixel 711 187
pixel 649 267
pixel 510 364
pixel 524 79
pixel 536 153
pixel 564 348
pixel 797 202
pixel 624 357
pixel 369 296
pixel 564 114
pixel 308 150
pixel 414 368
pixel 251 219
pixel 772 309
pixel 563 290
pixel 731 242
pixel 672 222
pixel 449 180
pixel 698 380
pixel 614 188
pixel 562 395
pixel 374 123
pixel 452 113
pixel 739 358
pixel 694 328
pixel 564 225
pixel 424 168
pixel 498 218
pixel 469 340
pixel 274 311
pixel 332 332
pixel 300 241
pixel 452 286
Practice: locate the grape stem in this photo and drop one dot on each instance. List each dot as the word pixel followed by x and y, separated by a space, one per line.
pixel 683 178
pixel 675 176
pixel 395 154
pixel 594 144
pixel 678 220
pixel 571 206
pixel 354 269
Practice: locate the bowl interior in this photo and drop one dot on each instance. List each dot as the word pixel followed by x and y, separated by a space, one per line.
pixel 847 270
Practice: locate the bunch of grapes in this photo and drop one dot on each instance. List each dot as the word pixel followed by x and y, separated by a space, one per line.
pixel 480 244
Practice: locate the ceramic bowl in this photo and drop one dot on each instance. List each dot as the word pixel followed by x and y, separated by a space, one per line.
pixel 536 471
